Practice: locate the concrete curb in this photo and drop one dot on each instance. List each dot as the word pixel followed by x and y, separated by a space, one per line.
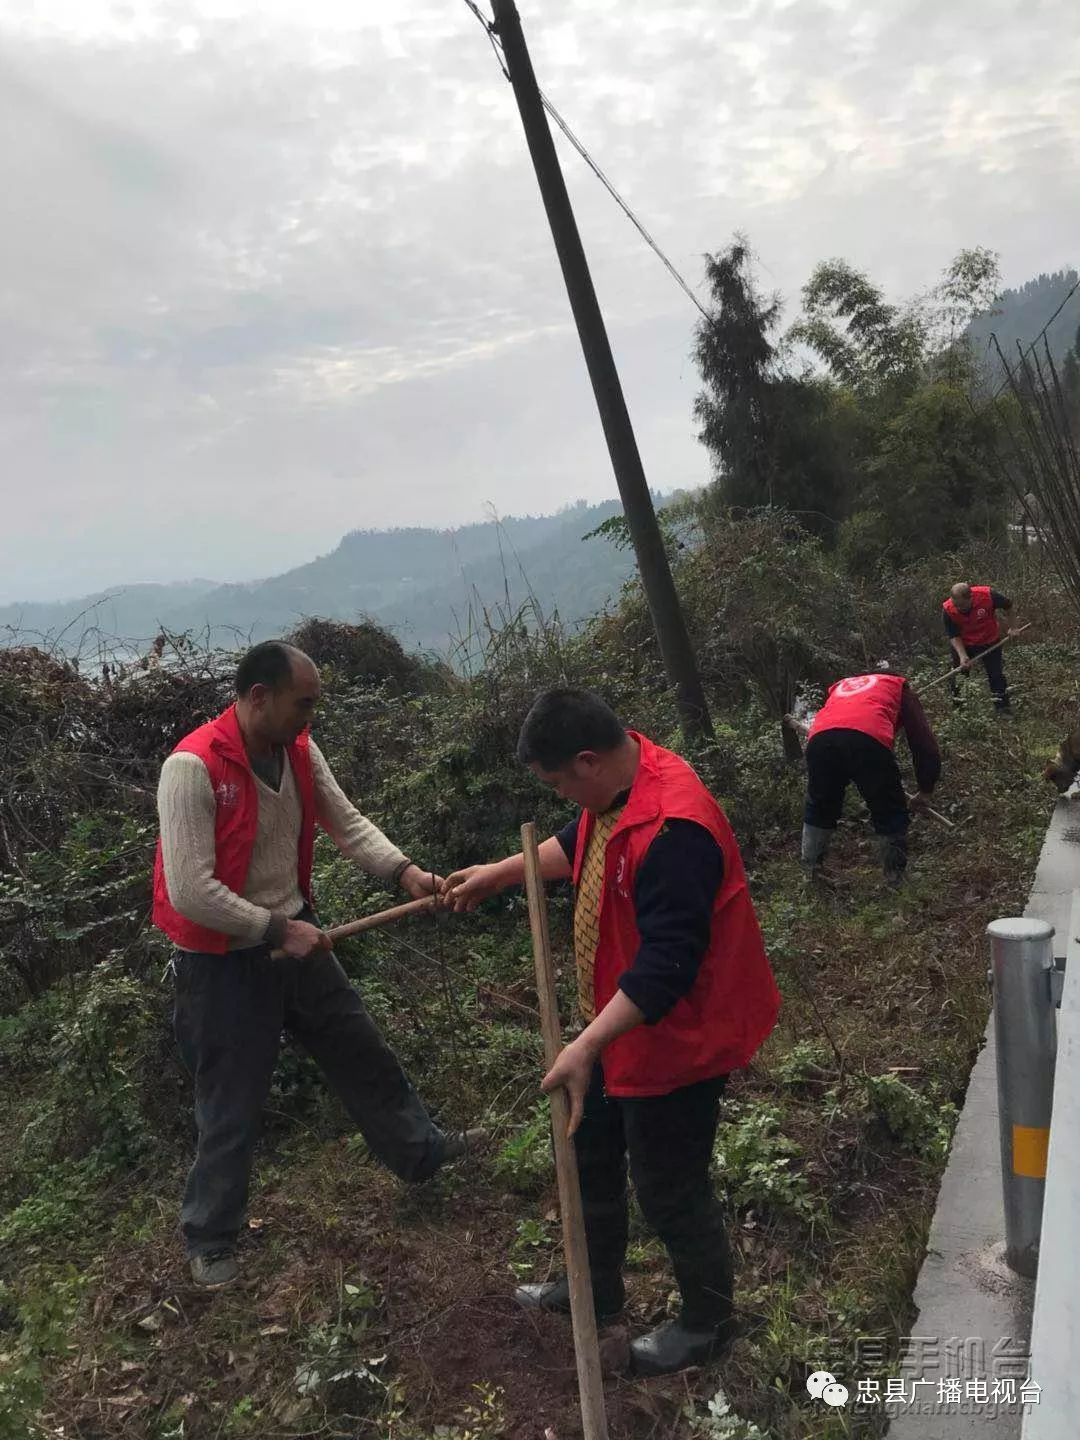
pixel 974 1317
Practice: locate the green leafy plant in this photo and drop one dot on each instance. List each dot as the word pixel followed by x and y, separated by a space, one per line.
pixel 719 1422
pixel 334 1350
pixel 525 1162
pixel 807 1059
pixel 915 1120
pixel 57 1204
pixel 532 1239
pixel 484 1419
pixel 754 1164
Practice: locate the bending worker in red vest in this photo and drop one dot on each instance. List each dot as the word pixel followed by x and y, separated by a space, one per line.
pixel 851 739
pixel 238 801
pixel 972 626
pixel 675 992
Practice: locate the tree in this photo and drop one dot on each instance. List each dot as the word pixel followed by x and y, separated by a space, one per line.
pixel 970 286
pixel 919 452
pixel 735 357
pixel 930 484
pixel 868 344
pixel 862 341
pixel 770 434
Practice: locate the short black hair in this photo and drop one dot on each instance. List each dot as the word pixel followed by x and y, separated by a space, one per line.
pixel 269 663
pixel 564 722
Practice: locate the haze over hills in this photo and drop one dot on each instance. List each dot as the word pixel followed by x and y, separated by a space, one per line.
pixel 421 583
pixel 1021 314
pixel 418 582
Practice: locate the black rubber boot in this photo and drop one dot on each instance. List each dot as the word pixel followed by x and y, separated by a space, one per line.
pixel 815 843
pixel 893 857
pixel 673 1346
pixel 554 1295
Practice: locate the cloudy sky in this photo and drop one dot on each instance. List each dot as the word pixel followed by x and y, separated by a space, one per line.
pixel 277 270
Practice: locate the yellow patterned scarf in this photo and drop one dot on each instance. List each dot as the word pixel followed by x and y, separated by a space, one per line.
pixel 590 889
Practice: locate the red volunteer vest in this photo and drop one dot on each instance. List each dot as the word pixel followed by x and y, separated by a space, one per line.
pixel 734 1001
pixel 979 626
pixel 220 746
pixel 870 703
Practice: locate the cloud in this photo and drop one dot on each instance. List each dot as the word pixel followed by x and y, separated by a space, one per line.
pixel 275 271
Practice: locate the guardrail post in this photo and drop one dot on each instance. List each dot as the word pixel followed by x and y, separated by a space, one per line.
pixel 1055 1328
pixel 1022 959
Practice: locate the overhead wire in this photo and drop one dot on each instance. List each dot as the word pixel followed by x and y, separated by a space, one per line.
pixel 624 206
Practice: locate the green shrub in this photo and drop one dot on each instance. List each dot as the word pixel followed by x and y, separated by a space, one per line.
pixel 525 1161
pixel 914 1120
pixel 754 1161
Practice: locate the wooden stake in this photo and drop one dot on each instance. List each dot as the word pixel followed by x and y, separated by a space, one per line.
pixel 582 1314
pixel 371 922
pixel 959 670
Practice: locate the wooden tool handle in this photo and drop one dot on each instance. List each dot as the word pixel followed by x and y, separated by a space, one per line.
pixel 583 1316
pixel 372 922
pixel 937 815
pixel 959 669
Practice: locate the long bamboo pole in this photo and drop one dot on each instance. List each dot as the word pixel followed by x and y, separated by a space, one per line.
pixel 582 1314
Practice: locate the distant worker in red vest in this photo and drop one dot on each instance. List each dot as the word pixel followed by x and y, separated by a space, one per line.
pixel 675 992
pixel 852 739
pixel 971 623
pixel 239 800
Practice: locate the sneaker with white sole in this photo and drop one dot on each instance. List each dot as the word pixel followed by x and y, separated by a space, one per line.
pixel 214 1269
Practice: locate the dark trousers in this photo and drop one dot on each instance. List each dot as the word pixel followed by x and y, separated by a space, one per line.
pixel 835 757
pixel 669 1140
pixel 994 665
pixel 229 1014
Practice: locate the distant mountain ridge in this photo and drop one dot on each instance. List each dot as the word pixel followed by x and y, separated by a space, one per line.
pixel 420 583
pixel 1021 315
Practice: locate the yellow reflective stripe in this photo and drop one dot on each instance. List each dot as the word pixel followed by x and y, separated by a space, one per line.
pixel 1030 1144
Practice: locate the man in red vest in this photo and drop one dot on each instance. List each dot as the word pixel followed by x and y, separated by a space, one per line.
pixel 971 623
pixel 238 801
pixel 851 739
pixel 675 992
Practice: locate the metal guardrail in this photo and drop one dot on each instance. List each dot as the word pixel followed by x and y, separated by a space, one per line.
pixel 1055 1333
pixel 1022 964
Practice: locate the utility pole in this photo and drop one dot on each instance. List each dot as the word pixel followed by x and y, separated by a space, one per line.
pixel 660 592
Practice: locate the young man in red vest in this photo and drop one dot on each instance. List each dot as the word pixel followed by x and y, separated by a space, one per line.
pixel 851 739
pixel 972 626
pixel 238 801
pixel 675 991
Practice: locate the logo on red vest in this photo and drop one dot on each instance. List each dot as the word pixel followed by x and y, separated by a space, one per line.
pixel 856 684
pixel 228 793
pixel 620 876
pixel 980 614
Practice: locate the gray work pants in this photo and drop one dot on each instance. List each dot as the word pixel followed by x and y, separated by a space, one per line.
pixel 229 1013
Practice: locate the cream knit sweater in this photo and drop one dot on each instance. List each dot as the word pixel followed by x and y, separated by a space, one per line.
pixel 187 811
